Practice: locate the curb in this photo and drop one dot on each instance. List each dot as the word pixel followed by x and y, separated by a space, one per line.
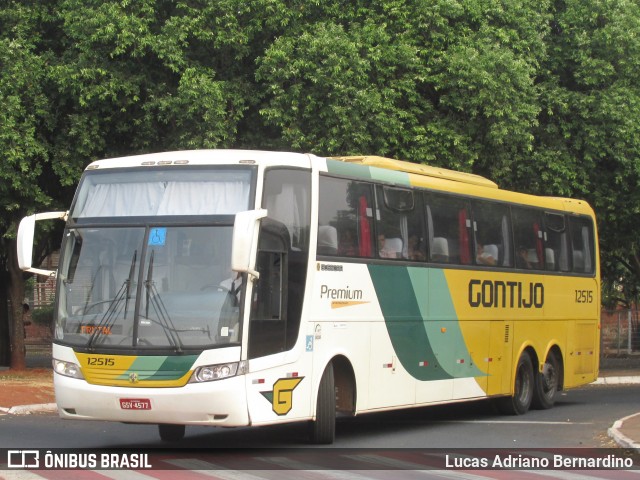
pixel 30 409
pixel 620 380
pixel 620 438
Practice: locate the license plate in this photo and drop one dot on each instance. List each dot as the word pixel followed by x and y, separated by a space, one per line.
pixel 135 404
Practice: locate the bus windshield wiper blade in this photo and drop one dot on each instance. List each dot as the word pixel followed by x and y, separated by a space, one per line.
pixel 130 282
pixel 110 315
pixel 164 320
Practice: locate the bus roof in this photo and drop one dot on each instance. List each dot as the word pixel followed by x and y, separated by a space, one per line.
pixel 419 169
pixel 204 157
pixel 405 172
pixel 452 181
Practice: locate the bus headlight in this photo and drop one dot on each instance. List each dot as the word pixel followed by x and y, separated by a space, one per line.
pixel 210 373
pixel 68 369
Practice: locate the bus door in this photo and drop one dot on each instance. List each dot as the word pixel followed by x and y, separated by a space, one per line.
pixel 278 381
pixel 276 386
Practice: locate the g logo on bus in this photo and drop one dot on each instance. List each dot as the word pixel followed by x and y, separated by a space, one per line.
pixel 133 377
pixel 281 397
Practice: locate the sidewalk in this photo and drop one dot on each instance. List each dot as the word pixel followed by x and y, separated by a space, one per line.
pixel 626 431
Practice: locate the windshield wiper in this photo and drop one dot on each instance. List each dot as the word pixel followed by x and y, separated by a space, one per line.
pixel 130 282
pixel 109 317
pixel 153 298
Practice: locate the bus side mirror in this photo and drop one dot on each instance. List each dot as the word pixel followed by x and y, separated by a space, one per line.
pixel 245 233
pixel 24 241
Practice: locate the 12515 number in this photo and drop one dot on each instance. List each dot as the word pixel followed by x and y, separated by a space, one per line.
pixel 584 296
pixel 101 362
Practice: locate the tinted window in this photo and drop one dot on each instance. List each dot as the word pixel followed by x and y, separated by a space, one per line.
pixel 345 218
pixel 282 260
pixel 399 227
pixel 492 234
pixel 449 229
pixel 529 238
pixel 582 244
pixel 556 252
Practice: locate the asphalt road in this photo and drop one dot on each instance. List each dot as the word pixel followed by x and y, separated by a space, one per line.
pixel 580 418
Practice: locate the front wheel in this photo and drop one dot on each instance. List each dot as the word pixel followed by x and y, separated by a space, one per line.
pixel 519 403
pixel 547 384
pixel 171 433
pixel 323 428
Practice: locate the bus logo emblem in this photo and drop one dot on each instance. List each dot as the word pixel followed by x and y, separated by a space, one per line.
pixel 133 377
pixel 281 397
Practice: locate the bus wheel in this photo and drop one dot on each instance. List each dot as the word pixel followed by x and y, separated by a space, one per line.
pixel 520 402
pixel 171 433
pixel 546 384
pixel 323 429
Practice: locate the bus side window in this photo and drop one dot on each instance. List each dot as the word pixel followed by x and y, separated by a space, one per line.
pixel 556 246
pixel 400 224
pixel 529 238
pixel 344 218
pixel 582 243
pixel 492 234
pixel 448 227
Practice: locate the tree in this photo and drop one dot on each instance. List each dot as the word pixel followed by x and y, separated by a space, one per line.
pixel 25 167
pixel 540 96
pixel 446 83
pixel 588 142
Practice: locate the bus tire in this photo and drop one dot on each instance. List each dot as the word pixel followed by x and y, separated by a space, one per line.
pixel 519 403
pixel 323 428
pixel 171 433
pixel 547 384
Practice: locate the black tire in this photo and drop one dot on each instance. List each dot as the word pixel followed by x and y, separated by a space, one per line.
pixel 547 384
pixel 523 389
pixel 171 433
pixel 323 428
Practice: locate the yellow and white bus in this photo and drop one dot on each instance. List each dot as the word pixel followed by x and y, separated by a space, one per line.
pixel 233 288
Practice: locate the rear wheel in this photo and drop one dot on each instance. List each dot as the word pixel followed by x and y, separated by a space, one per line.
pixel 547 383
pixel 171 433
pixel 519 403
pixel 323 428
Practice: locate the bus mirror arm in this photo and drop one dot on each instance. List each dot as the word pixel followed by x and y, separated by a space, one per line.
pixel 26 232
pixel 245 238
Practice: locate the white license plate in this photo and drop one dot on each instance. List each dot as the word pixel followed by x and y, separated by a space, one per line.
pixel 135 404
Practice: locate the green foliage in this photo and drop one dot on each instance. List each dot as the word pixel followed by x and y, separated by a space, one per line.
pixel 43 315
pixel 592 121
pixel 25 114
pixel 542 97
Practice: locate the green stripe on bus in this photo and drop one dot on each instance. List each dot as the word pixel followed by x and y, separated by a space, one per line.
pixel 391 176
pixel 161 367
pixel 415 323
pixel 348 169
pixel 452 353
pixel 367 173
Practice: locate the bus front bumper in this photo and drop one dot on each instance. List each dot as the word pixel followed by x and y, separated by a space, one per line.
pixel 219 403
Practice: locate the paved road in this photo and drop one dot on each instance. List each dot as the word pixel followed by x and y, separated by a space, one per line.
pixel 580 418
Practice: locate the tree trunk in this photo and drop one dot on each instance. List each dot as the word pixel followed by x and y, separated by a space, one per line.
pixel 16 296
pixel 5 344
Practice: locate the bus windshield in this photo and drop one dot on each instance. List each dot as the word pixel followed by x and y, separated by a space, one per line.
pixel 146 263
pixel 180 294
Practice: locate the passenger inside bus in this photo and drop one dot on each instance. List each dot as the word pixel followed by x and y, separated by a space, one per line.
pixel 415 249
pixel 347 245
pixel 522 259
pixel 389 247
pixel 486 254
